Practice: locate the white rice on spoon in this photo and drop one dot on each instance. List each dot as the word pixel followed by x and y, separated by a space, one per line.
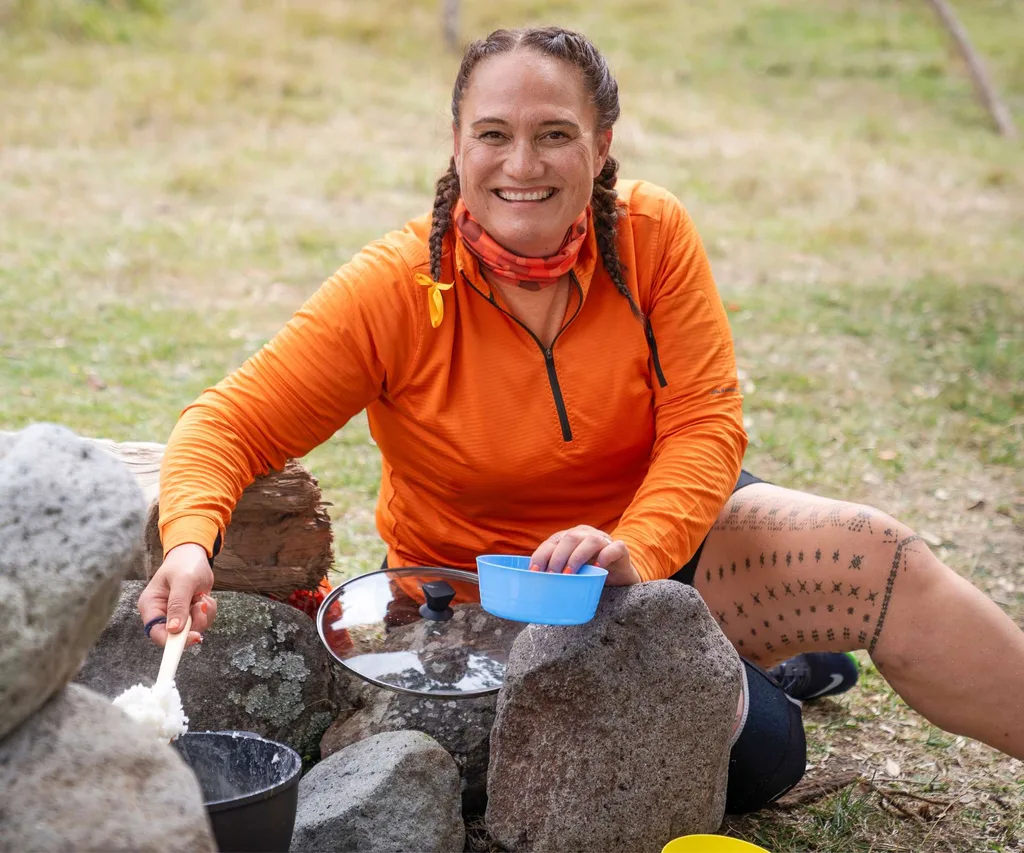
pixel 158 709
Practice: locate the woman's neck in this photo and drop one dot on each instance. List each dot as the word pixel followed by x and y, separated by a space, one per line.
pixel 541 311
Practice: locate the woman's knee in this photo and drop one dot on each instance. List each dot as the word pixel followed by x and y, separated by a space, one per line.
pixel 915 584
pixel 904 572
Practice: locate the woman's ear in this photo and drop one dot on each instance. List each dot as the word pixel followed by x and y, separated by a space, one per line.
pixel 456 149
pixel 604 144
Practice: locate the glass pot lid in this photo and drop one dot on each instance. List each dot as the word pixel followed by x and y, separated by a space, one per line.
pixel 419 631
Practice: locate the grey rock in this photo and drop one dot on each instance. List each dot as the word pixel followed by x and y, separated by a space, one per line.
pixel 396 791
pixel 614 735
pixel 79 775
pixel 461 726
pixel 260 668
pixel 71 521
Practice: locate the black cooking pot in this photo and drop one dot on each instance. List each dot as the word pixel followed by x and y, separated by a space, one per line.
pixel 250 788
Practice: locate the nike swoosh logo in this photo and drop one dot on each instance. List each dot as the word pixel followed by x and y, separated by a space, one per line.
pixel 836 681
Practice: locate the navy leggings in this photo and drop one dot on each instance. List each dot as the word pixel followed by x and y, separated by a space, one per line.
pixel 770 755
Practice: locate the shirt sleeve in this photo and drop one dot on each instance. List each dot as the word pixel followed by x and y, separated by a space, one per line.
pixel 352 341
pixel 699 435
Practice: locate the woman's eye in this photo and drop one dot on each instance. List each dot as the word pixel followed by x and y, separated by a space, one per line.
pixel 491 135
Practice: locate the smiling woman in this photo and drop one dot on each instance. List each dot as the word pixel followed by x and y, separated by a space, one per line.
pixel 528 145
pixel 564 387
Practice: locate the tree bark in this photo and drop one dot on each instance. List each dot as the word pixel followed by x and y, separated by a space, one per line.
pixel 450 23
pixel 979 77
pixel 279 539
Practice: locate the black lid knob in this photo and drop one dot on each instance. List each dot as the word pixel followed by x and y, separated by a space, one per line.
pixel 439 595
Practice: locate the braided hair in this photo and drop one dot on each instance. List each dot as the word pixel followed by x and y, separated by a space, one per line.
pixel 580 52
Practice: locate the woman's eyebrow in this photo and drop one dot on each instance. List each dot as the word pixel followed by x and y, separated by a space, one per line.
pixel 489 120
pixel 560 122
pixel 556 122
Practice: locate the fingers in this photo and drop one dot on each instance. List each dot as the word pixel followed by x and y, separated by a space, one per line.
pixel 569 550
pixel 540 558
pixel 615 558
pixel 180 586
pixel 152 605
pixel 204 611
pixel 612 554
pixel 179 601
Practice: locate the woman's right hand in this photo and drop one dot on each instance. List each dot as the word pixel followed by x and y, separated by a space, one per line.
pixel 182 583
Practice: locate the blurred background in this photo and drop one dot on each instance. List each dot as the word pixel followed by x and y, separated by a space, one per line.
pixel 176 177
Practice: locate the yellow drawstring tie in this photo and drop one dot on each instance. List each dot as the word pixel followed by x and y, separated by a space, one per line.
pixel 435 300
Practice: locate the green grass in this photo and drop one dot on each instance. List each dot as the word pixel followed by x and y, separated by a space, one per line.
pixel 179 176
pixel 937 364
pixel 104 21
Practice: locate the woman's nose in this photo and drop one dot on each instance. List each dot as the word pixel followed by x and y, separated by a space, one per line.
pixel 523 163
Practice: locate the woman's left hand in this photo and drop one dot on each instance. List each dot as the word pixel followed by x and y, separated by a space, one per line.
pixel 568 550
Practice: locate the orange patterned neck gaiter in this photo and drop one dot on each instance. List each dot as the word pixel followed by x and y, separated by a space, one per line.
pixel 527 273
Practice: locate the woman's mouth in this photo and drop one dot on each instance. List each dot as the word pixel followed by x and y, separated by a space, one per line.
pixel 525 195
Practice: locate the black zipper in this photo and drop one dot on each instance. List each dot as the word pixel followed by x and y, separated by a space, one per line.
pixel 556 392
pixel 653 344
pixel 548 352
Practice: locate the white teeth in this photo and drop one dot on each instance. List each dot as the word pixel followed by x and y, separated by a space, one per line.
pixel 540 195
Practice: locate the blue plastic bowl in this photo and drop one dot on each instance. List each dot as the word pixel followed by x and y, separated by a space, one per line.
pixel 510 590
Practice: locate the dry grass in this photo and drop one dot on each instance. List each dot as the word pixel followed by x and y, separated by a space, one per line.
pixel 178 176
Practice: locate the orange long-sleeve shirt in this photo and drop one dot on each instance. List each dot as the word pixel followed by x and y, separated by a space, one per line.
pixel 490 443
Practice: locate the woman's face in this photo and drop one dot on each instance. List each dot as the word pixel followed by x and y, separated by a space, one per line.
pixel 528 150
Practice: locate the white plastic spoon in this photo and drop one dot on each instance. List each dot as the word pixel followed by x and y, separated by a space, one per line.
pixel 173 648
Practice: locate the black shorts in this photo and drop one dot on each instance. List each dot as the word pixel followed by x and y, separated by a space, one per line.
pixel 687 572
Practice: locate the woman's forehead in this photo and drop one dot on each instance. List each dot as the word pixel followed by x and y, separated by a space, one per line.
pixel 525 81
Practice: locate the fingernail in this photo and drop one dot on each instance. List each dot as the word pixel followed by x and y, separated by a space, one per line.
pixel 534 567
pixel 567 570
pixel 203 607
pixel 173 626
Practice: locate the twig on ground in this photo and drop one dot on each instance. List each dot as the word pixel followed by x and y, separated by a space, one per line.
pixel 889 792
pixel 891 804
pixel 945 811
pixel 815 790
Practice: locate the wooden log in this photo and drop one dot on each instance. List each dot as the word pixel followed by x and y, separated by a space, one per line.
pixel 979 77
pixel 279 539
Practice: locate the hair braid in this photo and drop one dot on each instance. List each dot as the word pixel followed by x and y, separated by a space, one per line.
pixel 445 196
pixel 606 229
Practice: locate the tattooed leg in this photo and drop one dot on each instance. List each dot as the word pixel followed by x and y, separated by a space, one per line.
pixel 786 572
